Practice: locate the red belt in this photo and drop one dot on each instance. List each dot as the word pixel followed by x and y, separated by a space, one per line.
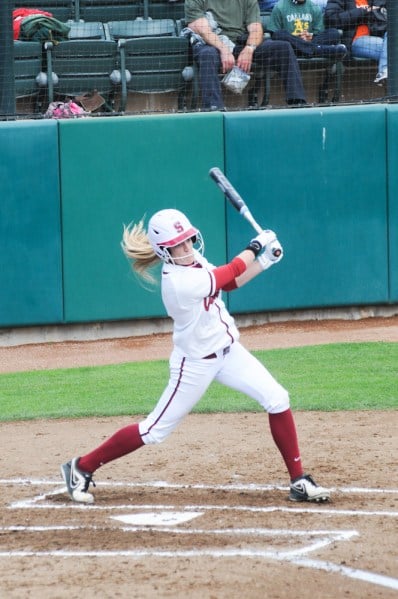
pixel 225 351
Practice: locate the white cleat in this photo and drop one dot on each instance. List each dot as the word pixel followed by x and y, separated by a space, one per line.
pixel 77 482
pixel 306 489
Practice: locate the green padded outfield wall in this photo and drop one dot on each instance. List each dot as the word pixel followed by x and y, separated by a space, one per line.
pixel 392 145
pixel 318 178
pixel 325 180
pixel 30 233
pixel 114 171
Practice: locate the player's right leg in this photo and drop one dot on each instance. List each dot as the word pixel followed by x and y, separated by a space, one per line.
pixel 189 380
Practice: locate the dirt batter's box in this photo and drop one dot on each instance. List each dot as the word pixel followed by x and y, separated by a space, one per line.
pixel 200 528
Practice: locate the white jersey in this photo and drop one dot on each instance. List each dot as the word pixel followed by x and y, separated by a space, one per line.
pixel 202 324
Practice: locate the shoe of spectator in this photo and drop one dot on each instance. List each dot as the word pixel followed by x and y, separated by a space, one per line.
pixel 337 52
pixel 297 102
pixel 381 78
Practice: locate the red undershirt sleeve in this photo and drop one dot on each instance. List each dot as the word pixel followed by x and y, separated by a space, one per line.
pixel 225 275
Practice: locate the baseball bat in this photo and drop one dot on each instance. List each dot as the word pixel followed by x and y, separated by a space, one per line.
pixel 235 199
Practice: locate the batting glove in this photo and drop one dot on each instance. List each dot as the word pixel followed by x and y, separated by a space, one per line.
pixel 268 257
pixel 265 238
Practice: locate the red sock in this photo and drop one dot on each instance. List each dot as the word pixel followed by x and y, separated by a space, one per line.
pixel 124 441
pixel 283 430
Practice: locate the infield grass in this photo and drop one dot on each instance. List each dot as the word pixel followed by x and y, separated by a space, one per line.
pixel 349 376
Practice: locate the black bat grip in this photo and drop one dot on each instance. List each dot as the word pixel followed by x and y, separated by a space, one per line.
pixel 230 192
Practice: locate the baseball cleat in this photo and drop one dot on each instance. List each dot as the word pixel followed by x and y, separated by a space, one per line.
pixel 77 482
pixel 305 488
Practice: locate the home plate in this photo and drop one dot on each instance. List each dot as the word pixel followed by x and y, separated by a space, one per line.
pixel 157 518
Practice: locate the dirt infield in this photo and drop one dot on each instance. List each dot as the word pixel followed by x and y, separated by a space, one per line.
pixel 205 515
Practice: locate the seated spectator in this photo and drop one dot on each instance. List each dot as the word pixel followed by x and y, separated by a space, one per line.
pixel 300 22
pixel 237 40
pixel 266 5
pixel 363 30
pixel 321 4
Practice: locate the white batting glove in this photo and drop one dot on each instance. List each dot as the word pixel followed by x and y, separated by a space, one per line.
pixel 268 257
pixel 261 241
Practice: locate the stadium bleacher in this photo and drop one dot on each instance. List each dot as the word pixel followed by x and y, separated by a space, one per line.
pixel 114 20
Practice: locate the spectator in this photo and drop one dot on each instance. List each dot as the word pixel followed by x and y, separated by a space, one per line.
pixel 363 30
pixel 241 41
pixel 300 22
pixel 321 4
pixel 266 5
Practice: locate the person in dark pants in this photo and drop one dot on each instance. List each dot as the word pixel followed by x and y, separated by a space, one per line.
pixel 233 36
pixel 364 26
pixel 300 22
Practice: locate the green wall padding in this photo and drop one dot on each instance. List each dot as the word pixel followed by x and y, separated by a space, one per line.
pixel 318 178
pixel 392 144
pixel 114 171
pixel 323 179
pixel 30 241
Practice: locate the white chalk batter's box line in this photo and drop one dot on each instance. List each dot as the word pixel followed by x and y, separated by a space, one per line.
pixel 163 484
pixel 41 501
pixel 317 539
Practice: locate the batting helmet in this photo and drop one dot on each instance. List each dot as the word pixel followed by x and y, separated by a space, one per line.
pixel 168 228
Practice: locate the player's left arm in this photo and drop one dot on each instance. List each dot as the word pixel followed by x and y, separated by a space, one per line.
pixel 263 261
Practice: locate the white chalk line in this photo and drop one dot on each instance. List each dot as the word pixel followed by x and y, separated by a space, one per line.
pixel 357 574
pixel 45 505
pixel 294 556
pixel 268 532
pixel 39 501
pixel 166 485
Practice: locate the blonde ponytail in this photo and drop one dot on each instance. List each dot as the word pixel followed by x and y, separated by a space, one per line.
pixel 138 250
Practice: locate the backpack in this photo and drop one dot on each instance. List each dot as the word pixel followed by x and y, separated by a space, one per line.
pixel 41 28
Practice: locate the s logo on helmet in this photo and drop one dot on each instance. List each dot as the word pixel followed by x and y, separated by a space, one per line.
pixel 178 227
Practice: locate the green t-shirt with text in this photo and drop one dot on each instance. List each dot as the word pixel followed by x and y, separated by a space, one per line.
pixel 233 16
pixel 296 18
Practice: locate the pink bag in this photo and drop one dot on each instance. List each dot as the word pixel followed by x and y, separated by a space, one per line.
pixel 64 110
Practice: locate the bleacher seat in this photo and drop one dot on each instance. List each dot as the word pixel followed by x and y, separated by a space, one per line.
pixel 108 10
pixel 164 9
pixel 30 80
pixel 62 10
pixel 141 28
pixel 154 65
pixel 92 30
pixel 77 67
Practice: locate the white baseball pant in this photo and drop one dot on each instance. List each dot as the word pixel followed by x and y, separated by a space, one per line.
pixel 189 380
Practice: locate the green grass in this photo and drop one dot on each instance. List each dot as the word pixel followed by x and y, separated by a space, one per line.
pixel 352 376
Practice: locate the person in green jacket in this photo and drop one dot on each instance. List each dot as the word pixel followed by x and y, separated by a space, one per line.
pixel 300 22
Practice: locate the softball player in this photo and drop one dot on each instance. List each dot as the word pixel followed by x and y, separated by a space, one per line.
pixel 206 347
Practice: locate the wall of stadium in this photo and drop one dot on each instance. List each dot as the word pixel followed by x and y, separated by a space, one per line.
pixel 324 179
